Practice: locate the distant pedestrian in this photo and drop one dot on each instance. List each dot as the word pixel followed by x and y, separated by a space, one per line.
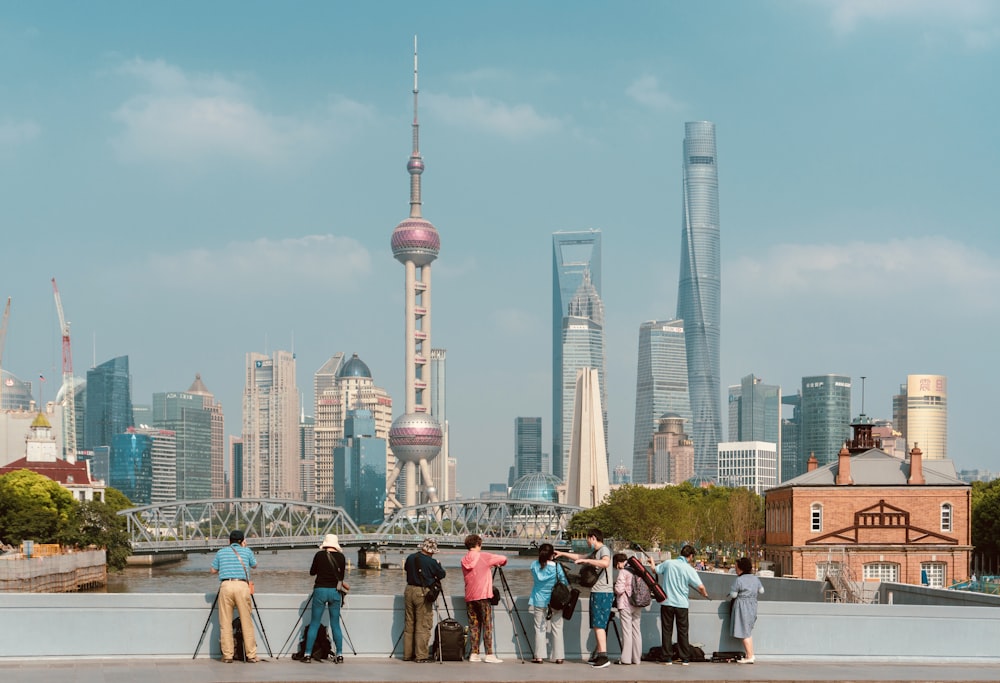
pixel 630 615
pixel 329 567
pixel 422 572
pixel 744 592
pixel 477 569
pixel 546 572
pixel 677 577
pixel 233 564
pixel 601 593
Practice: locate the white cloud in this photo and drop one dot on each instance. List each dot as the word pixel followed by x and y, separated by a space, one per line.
pixel 513 121
pixel 848 15
pixel 917 272
pixel 646 90
pixel 179 117
pixel 265 265
pixel 18 132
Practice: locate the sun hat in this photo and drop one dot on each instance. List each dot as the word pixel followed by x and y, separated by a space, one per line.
pixel 429 546
pixel 331 541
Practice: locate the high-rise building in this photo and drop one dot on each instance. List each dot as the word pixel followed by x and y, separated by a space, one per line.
pixel 751 465
pixel 576 256
pixel 109 402
pixel 527 446
pixel 218 434
pixel 927 415
pixel 351 387
pixel 671 452
pixel 235 487
pixel 824 418
pixel 415 437
pixel 359 464
pixel 307 457
pixel 271 427
pixel 759 414
pixel 661 386
pixel 185 414
pixel 144 465
pixel 699 291
pixel 439 465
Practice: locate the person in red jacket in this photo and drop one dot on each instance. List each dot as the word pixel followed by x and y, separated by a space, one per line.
pixel 477 569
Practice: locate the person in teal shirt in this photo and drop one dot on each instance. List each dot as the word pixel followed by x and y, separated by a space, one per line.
pixel 677 577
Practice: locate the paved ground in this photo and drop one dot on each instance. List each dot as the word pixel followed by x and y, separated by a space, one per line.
pixel 384 670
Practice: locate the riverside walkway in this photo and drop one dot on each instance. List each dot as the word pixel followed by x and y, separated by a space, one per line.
pixel 384 670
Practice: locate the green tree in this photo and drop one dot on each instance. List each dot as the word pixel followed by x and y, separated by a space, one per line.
pixel 33 507
pixel 986 517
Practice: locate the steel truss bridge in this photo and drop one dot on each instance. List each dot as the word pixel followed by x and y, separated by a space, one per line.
pixel 201 526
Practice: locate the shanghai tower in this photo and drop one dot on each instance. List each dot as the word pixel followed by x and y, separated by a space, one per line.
pixel 699 292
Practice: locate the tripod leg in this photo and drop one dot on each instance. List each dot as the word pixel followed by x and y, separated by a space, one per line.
pixel 506 586
pixel 260 622
pixel 207 622
pixel 350 641
pixel 296 627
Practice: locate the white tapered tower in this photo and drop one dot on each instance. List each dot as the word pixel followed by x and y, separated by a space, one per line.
pixel 415 437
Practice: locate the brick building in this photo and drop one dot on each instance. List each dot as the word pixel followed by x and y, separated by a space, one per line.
pixel 869 516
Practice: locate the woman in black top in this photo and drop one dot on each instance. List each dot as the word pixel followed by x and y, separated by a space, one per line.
pixel 328 566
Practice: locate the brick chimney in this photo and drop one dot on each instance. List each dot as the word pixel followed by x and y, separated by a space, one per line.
pixel 844 466
pixel 812 463
pixel 916 466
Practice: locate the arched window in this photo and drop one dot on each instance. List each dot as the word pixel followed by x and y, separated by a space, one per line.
pixel 816 517
pixel 946 517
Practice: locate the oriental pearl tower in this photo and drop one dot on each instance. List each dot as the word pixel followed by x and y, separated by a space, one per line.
pixel 415 437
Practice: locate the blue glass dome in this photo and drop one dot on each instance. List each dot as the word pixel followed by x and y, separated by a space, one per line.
pixel 536 486
pixel 355 368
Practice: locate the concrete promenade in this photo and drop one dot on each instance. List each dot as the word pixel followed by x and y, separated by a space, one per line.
pixel 384 670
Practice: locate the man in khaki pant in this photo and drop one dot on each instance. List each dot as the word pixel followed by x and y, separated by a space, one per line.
pixel 233 564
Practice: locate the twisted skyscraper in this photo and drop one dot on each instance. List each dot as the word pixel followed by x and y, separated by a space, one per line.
pixel 415 437
pixel 699 292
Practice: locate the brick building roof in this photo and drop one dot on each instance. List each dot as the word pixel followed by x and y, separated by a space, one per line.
pixel 877 468
pixel 66 473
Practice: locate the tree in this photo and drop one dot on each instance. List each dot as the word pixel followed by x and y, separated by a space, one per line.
pixel 986 518
pixel 33 507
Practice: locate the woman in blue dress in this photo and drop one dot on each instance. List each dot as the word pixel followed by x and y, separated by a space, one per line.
pixel 744 592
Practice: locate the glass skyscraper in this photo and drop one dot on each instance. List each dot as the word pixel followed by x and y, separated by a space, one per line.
pixel 359 469
pixel 189 418
pixel 699 291
pixel 824 417
pixel 661 386
pixel 527 446
pixel 109 403
pixel 576 344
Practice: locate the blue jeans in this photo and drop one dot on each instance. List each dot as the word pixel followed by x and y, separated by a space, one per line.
pixel 325 597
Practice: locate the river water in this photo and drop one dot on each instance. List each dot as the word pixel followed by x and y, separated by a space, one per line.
pixel 287 571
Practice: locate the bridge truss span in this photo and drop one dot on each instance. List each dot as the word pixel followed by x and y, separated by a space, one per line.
pixel 200 525
pixel 502 523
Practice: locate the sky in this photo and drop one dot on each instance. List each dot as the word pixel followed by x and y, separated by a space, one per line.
pixel 209 179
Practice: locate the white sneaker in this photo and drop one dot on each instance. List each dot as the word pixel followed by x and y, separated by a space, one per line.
pixel 492 659
pixel 474 657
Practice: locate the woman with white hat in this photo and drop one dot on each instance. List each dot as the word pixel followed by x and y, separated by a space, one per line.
pixel 329 567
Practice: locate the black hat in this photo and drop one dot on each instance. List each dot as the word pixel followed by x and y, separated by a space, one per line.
pixel 236 536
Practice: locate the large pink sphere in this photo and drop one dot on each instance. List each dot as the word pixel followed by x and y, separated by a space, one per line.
pixel 415 240
pixel 415 437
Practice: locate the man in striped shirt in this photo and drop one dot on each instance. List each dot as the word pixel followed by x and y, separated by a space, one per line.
pixel 233 564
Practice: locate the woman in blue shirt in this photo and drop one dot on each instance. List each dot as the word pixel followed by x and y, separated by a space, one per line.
pixel 546 571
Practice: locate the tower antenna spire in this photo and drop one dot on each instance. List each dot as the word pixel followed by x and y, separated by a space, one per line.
pixel 416 164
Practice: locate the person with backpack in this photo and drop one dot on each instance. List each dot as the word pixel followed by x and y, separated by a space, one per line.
pixel 233 564
pixel 546 573
pixel 423 581
pixel 601 592
pixel 329 567
pixel 676 577
pixel 632 596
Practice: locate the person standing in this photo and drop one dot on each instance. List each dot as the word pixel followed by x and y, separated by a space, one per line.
pixel 233 564
pixel 676 577
pixel 477 569
pixel 422 572
pixel 601 593
pixel 329 567
pixel 545 573
pixel 631 615
pixel 744 592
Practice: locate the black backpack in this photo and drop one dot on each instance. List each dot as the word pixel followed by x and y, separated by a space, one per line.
pixel 321 648
pixel 239 651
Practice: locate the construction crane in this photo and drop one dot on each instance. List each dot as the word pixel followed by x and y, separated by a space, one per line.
pixel 3 340
pixel 69 394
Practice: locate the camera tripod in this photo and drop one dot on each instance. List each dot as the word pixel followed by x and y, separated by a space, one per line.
pixel 258 622
pixel 510 604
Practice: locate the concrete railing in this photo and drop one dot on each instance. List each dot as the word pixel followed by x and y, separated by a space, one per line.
pixel 170 625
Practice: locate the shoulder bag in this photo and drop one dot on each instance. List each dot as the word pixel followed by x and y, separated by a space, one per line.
pixel 560 592
pixel 246 571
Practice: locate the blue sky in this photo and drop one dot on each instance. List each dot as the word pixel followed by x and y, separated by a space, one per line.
pixel 208 179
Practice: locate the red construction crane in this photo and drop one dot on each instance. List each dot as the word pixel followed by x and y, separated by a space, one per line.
pixel 69 394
